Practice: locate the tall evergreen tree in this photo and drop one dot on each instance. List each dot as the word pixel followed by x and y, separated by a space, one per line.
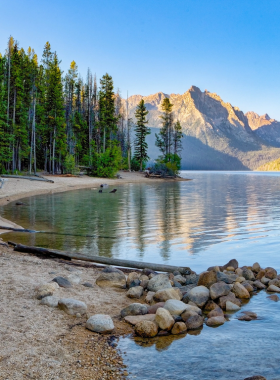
pixel 177 138
pixel 107 118
pixel 141 131
pixel 164 138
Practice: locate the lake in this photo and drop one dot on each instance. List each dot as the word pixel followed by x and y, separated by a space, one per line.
pixel 207 221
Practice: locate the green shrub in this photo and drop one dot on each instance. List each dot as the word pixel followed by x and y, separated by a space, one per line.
pixel 135 164
pixel 69 164
pixel 167 166
pixel 107 164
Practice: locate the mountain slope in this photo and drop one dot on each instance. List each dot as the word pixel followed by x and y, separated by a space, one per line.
pixel 216 134
pixel 273 166
pixel 266 128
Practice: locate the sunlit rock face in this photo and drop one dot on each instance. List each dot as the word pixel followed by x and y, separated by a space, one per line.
pixel 266 128
pixel 217 135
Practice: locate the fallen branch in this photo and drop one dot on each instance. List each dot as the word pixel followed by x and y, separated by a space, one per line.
pixel 25 177
pixel 17 229
pixel 98 259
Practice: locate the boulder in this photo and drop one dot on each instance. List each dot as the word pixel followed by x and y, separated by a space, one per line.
pixel 131 277
pixel 199 295
pixel 153 309
pixel 144 280
pixel 194 322
pixel 230 306
pixel 187 314
pixel 219 289
pixel 150 297
pixel 72 306
pixel 179 328
pixel 230 297
pixel 167 294
pixel 164 319
pixel 275 282
pixel 135 292
pixel 177 284
pixel 255 378
pixel 260 274
pixel 270 273
pixel 218 312
pixel 62 282
pixel 265 280
pixel 179 278
pixel 240 291
pixel 251 314
pixel 100 323
pixel 134 283
pixel 273 297
pixel 248 274
pixel 248 287
pixel 186 288
pixel 259 285
pixel 207 278
pixel 190 308
pixel 146 329
pixel 210 305
pixel 215 321
pixel 240 279
pixel 232 263
pixel 230 269
pixel 134 309
pixel 273 288
pixel 46 290
pixel 256 267
pixel 191 279
pixel 111 277
pixel 50 301
pixel 175 307
pixel 227 278
pixel 159 282
pixel 239 271
pixel 134 319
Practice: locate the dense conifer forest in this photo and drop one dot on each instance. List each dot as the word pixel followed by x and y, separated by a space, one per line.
pixel 56 122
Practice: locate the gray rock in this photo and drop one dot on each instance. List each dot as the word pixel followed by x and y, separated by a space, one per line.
pixel 194 322
pixel 177 284
pixel 230 306
pixel 161 281
pixel 232 263
pixel 219 289
pixel 50 301
pixel 259 285
pixel 72 306
pixel 275 282
pixel 112 278
pixel 218 312
pixel 191 279
pixel 256 267
pixel 179 278
pixel 215 321
pixel 135 292
pixel 175 307
pixel 248 274
pixel 150 297
pixel 87 285
pixel 134 309
pixel 227 278
pixel 74 278
pixel 273 297
pixel 230 297
pixel 187 314
pixel 184 289
pixel 199 295
pixel 100 323
pixel 265 280
pixel 62 282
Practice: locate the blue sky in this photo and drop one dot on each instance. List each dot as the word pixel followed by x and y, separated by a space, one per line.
pixel 228 47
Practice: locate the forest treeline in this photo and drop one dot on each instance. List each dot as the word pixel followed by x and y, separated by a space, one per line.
pixel 55 122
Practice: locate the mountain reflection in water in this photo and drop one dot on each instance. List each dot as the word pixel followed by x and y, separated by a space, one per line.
pixel 215 217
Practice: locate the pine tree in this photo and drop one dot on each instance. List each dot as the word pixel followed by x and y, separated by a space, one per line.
pixel 177 138
pixel 141 131
pixel 164 138
pixel 107 118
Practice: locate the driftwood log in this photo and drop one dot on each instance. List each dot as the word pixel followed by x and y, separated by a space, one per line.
pixel 98 259
pixel 17 229
pixel 26 177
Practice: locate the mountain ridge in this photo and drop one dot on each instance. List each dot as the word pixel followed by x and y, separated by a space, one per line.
pixel 219 131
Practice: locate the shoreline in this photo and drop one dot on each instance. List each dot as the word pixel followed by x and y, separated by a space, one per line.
pixel 17 189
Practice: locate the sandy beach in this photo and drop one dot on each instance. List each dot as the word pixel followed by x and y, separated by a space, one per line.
pixel 40 342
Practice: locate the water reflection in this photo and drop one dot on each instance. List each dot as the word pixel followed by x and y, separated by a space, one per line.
pixel 217 216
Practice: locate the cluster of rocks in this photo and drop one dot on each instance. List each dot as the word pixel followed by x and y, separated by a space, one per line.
pixel 99 323
pixel 181 301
